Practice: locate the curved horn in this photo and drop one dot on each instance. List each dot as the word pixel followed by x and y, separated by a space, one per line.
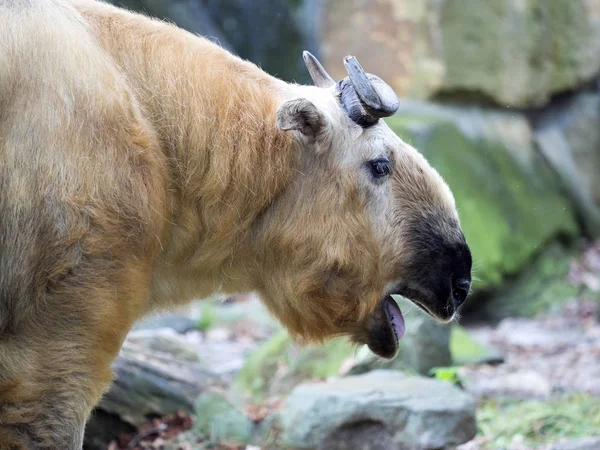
pixel 353 105
pixel 378 99
pixel 317 72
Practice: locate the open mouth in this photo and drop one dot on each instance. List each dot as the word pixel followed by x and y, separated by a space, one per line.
pixel 423 308
pixel 422 299
pixel 385 326
pixel 395 317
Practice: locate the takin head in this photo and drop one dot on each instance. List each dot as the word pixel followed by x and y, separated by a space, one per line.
pixel 364 217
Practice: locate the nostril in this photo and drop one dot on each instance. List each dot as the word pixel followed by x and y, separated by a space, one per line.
pixel 460 291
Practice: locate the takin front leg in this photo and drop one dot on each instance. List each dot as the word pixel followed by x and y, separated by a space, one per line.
pixel 52 373
pixel 51 390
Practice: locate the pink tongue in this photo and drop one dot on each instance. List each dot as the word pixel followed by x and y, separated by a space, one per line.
pixel 395 316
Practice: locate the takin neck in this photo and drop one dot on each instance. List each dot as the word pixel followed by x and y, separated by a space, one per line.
pixel 214 116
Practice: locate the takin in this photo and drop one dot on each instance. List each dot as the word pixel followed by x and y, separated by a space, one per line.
pixel 142 166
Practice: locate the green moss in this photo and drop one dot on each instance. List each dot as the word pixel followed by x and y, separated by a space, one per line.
pixel 208 316
pixel 322 361
pixel 465 349
pixel 508 211
pixel 538 422
pixel 262 365
pixel 280 364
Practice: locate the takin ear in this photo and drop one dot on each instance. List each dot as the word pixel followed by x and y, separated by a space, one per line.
pixel 301 115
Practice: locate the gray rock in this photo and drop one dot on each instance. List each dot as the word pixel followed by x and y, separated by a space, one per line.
pixel 163 341
pixel 150 383
pixel 569 137
pixel 591 443
pixel 382 410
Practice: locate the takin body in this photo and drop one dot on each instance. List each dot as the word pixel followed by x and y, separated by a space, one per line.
pixel 142 167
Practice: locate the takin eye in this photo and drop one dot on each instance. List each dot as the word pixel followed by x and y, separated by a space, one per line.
pixel 379 168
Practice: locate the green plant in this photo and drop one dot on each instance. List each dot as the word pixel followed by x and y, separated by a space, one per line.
pixel 208 317
pixel 449 374
pixel 538 422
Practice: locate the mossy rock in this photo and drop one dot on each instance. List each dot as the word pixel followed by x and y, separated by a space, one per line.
pixel 221 421
pixel 262 365
pixel 512 53
pixel 509 201
pixel 542 287
pixel 526 53
pixel 568 136
pixel 280 364
pixel 466 350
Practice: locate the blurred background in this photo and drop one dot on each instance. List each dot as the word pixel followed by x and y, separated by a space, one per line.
pixel 502 97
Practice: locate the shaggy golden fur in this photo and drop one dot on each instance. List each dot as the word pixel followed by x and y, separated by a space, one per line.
pixel 141 167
